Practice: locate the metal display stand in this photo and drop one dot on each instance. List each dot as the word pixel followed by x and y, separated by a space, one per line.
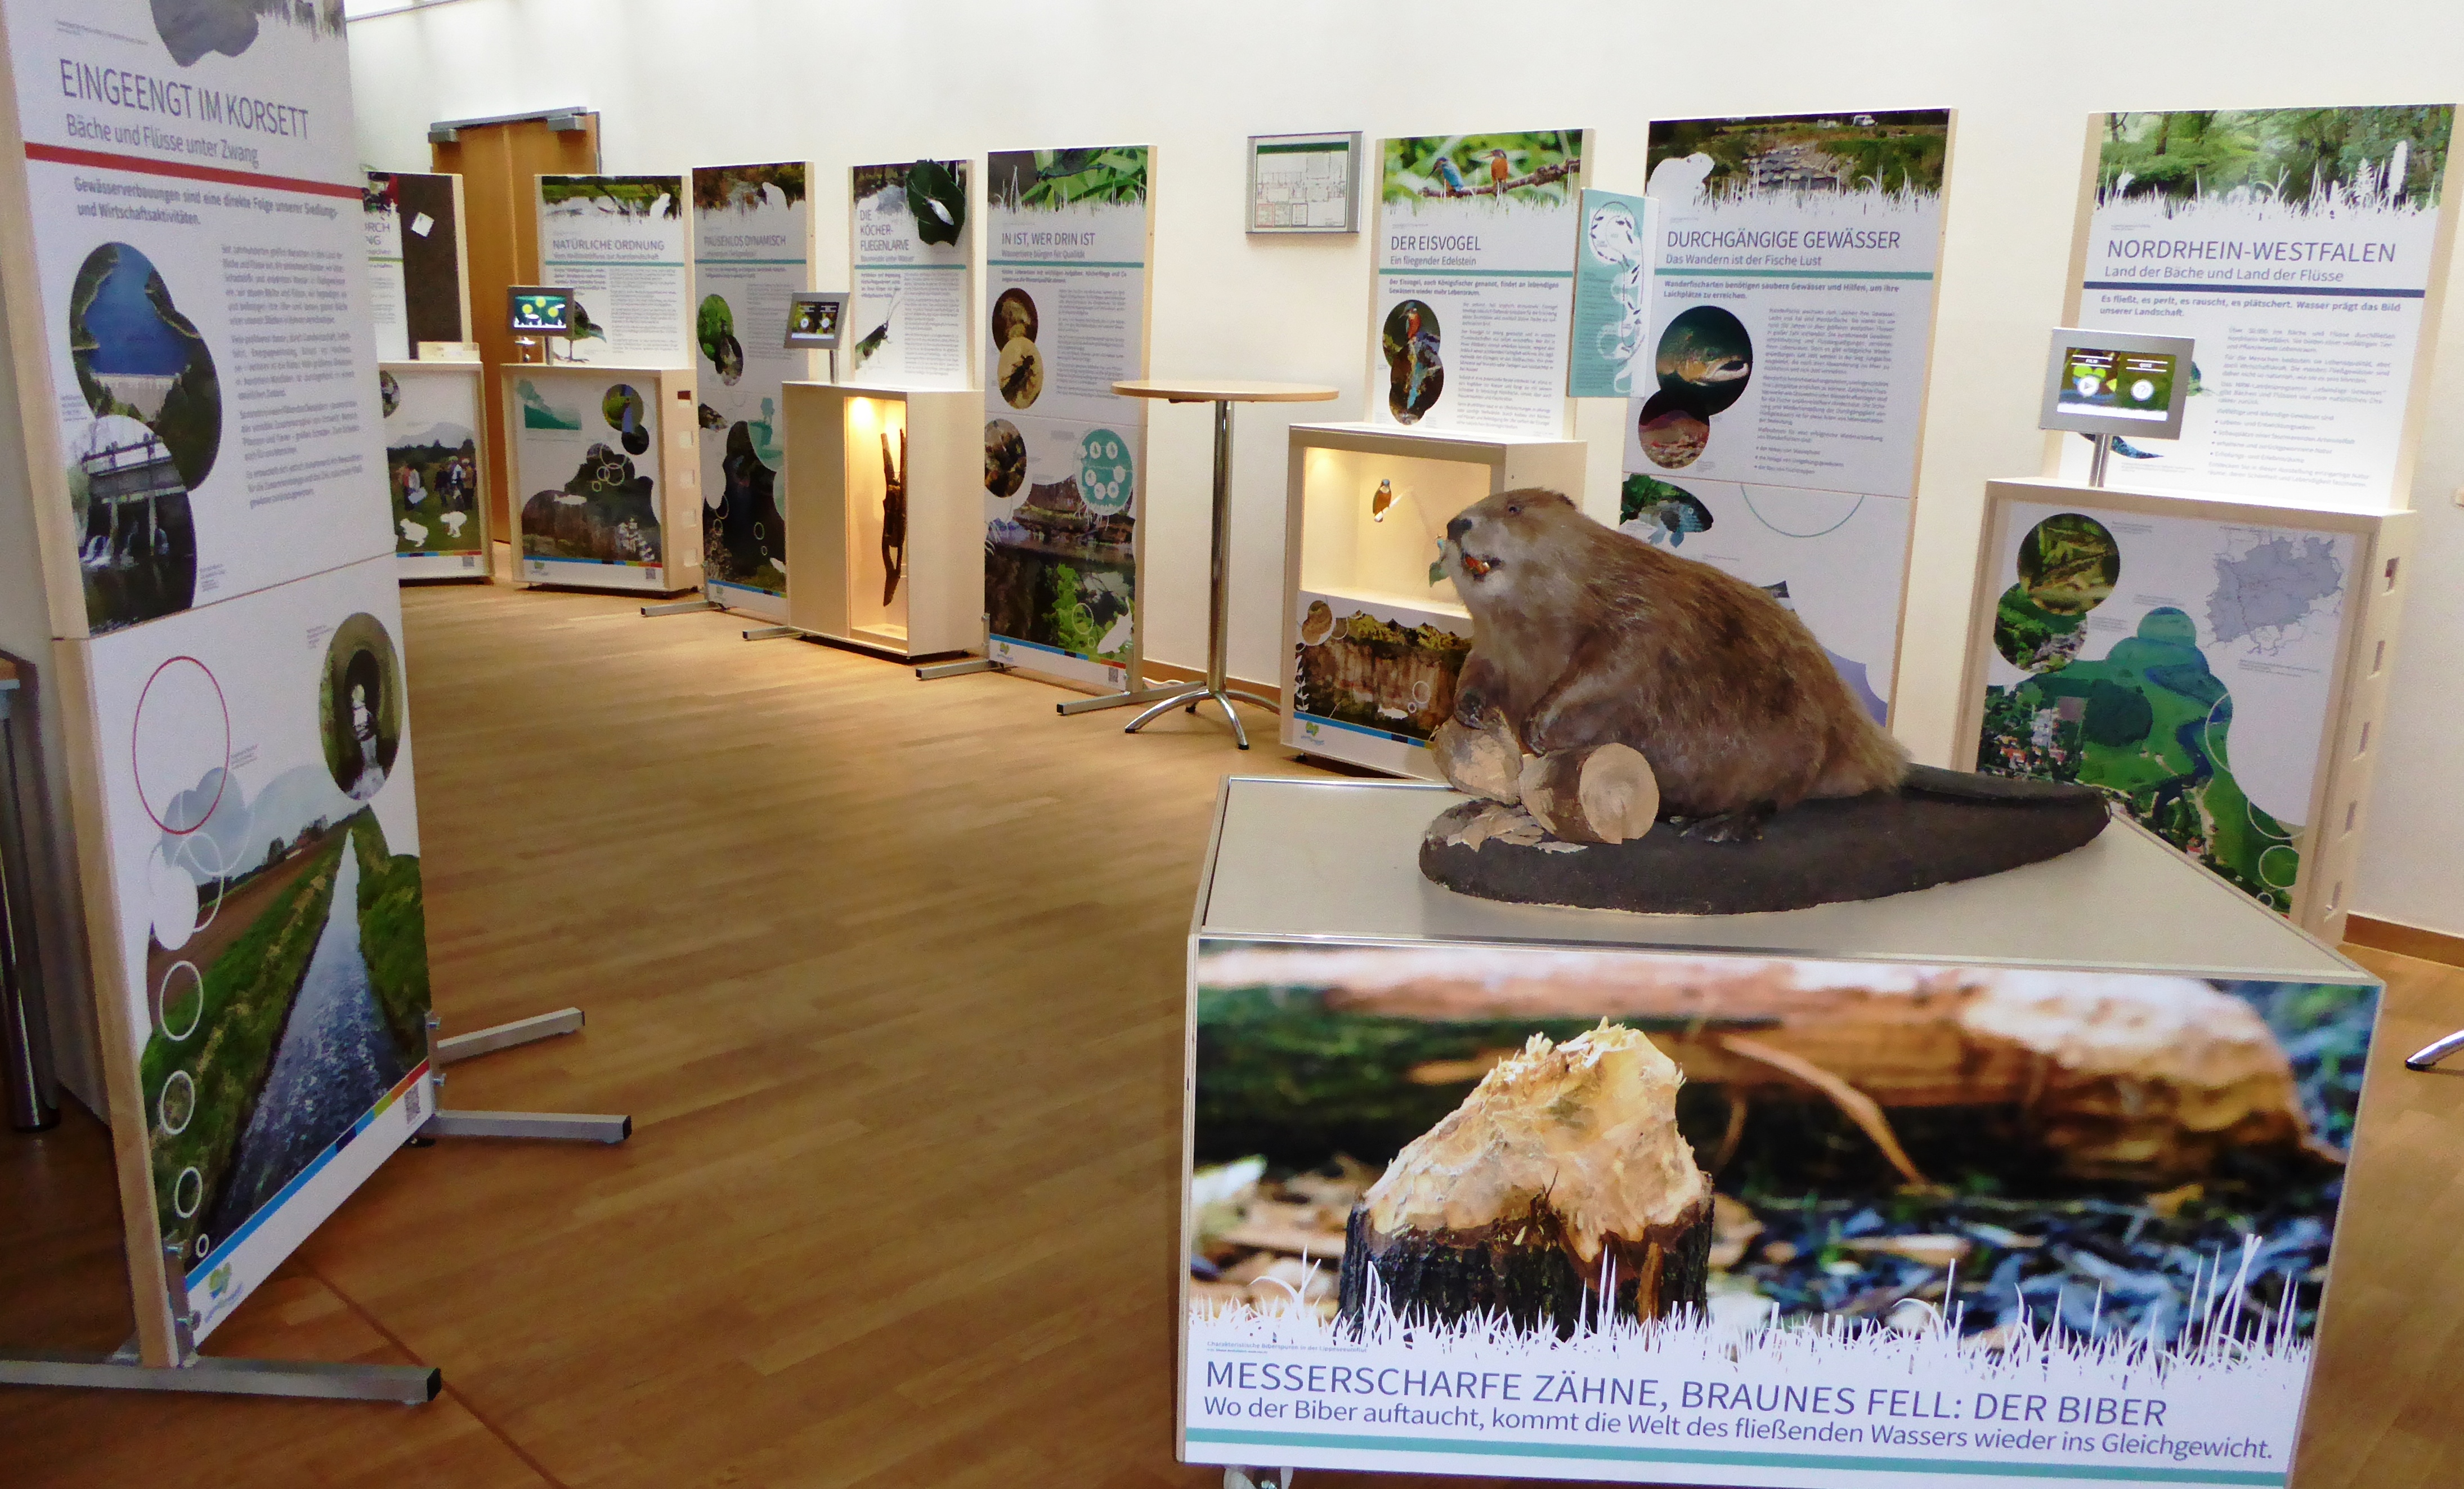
pixel 1216 685
pixel 412 1385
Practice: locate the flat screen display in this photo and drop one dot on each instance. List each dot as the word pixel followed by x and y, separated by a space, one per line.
pixel 540 311
pixel 814 319
pixel 2114 383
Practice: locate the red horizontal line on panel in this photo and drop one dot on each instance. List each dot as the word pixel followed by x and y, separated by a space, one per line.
pixel 61 155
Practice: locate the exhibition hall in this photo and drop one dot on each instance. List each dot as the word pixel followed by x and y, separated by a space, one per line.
pixel 1745 792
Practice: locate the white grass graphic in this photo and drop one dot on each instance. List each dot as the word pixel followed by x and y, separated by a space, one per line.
pixel 2219 1340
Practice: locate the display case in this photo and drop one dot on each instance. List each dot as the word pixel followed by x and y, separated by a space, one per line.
pixel 436 468
pixel 605 465
pixel 2030 1178
pixel 885 528
pixel 2217 668
pixel 1373 634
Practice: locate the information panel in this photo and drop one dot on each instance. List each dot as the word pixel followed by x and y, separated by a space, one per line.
pixel 2296 247
pixel 413 240
pixel 619 243
pixel 2183 665
pixel 1524 1209
pixel 190 182
pixel 1777 399
pixel 262 843
pixel 914 255
pixel 753 236
pixel 1475 297
pixel 1064 457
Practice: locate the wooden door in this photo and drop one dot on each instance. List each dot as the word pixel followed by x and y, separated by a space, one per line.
pixel 498 164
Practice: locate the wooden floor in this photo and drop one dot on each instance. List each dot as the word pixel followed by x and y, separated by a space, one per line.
pixel 889 976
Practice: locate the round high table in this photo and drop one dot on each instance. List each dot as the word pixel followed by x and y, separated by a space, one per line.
pixel 1223 394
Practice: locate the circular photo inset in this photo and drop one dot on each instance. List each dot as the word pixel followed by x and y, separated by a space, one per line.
pixel 715 327
pixel 1105 472
pixel 627 415
pixel 1004 457
pixel 1317 623
pixel 180 745
pixel 1673 430
pixel 1415 373
pixel 390 393
pixel 1020 372
pixel 137 355
pixel 2068 564
pixel 177 1103
pixel 1014 318
pixel 179 1002
pixel 137 550
pixel 359 705
pixel 1704 357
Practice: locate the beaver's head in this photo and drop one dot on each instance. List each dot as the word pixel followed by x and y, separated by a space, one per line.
pixel 1493 543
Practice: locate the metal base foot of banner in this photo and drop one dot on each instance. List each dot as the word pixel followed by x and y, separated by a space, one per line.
pixel 412 1385
pixel 549 1127
pixel 1170 692
pixel 682 607
pixel 1258 1478
pixel 958 669
pixel 504 1036
pixel 770 632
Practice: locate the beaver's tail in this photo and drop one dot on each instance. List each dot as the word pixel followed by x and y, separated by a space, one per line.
pixel 1862 756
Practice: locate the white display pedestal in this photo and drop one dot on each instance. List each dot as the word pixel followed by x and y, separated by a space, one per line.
pixel 445 534
pixel 836 483
pixel 586 438
pixel 1372 644
pixel 2276 661
pixel 2097 1005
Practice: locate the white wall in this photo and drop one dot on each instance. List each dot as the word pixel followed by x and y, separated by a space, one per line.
pixel 687 82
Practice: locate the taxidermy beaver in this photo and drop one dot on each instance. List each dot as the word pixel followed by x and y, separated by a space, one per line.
pixel 1591 645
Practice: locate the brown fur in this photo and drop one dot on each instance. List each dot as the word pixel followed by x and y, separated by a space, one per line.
pixel 1584 636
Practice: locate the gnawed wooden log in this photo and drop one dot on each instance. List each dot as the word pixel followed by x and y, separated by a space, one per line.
pixel 1559 1192
pixel 2146 1080
pixel 1603 796
pixel 1486 761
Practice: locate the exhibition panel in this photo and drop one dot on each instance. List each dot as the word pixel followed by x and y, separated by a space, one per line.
pixel 753 248
pixel 419 271
pixel 1375 630
pixel 2215 668
pixel 606 455
pixel 913 247
pixel 620 243
pixel 1071 232
pixel 1791 333
pixel 436 467
pixel 1444 1212
pixel 2306 252
pixel 194 346
pixel 888 520
pixel 1474 302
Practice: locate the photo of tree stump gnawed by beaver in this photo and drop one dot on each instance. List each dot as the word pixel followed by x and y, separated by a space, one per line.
pixel 1536 1143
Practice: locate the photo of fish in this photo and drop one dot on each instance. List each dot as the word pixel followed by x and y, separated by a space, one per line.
pixel 1705 358
pixel 1416 373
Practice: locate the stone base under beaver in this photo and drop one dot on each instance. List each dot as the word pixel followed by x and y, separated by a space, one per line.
pixel 1940 827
